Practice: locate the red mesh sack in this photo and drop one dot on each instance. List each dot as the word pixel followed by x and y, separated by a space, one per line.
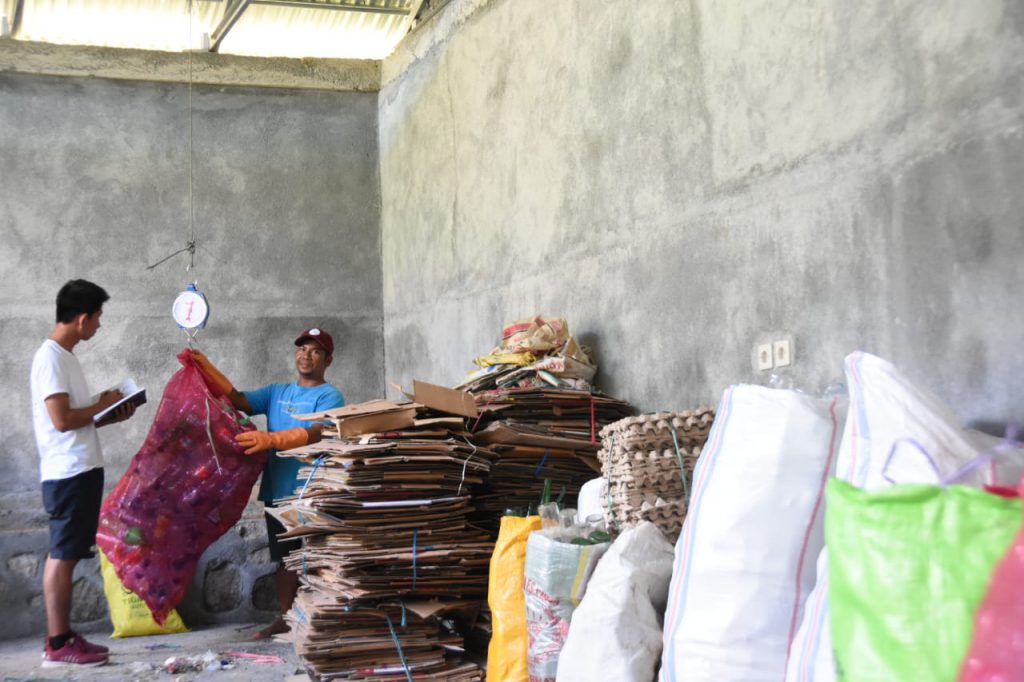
pixel 185 488
pixel 997 649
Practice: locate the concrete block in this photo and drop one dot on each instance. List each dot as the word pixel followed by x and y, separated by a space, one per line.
pixel 25 565
pixel 221 584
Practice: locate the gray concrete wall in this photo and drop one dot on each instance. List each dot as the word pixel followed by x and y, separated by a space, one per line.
pixel 94 184
pixel 683 179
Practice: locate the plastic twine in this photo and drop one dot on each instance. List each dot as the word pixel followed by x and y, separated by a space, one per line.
pixel 917 446
pixel 682 467
pixel 398 646
pixel 415 533
pixel 1008 443
pixel 302 519
pixel 209 434
pixel 316 465
pixel 593 421
pixel 465 464
pixel 481 415
pixel 462 480
pixel 543 461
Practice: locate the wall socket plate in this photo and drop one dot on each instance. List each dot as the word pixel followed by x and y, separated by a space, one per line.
pixel 765 356
pixel 782 353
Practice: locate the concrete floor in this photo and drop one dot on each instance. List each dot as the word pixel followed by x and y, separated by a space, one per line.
pixel 20 658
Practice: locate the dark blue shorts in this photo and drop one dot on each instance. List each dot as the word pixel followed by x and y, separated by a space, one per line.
pixel 279 548
pixel 74 508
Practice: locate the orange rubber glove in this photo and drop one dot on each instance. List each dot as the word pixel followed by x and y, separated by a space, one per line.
pixel 212 373
pixel 258 441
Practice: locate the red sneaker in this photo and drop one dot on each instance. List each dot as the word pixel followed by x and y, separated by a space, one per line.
pixel 90 647
pixel 72 653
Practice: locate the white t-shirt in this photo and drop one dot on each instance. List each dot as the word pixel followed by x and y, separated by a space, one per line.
pixel 61 455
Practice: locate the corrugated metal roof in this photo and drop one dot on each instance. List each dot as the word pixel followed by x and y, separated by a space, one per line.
pixel 145 24
pixel 310 32
pixel 355 29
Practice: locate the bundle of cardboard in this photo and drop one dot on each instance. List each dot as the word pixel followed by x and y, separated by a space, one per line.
pixel 648 463
pixel 389 552
pixel 378 643
pixel 540 414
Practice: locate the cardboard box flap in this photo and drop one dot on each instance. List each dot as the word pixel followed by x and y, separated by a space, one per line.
pixel 497 433
pixel 358 409
pixel 376 422
pixel 444 399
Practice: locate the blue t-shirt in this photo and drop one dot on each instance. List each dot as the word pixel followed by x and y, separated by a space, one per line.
pixel 279 402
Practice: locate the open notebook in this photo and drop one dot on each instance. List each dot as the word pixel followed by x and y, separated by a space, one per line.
pixel 132 394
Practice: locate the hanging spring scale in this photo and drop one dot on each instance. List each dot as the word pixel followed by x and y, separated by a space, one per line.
pixel 191 310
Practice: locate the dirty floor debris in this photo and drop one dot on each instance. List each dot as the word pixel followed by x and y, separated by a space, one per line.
pixel 146 658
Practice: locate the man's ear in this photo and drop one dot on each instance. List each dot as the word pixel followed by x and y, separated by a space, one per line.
pixel 328 361
pixel 80 319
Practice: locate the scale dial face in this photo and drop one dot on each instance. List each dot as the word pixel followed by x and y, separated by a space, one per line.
pixel 190 309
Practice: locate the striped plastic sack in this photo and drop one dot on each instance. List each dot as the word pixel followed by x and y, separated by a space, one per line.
pixel 743 560
pixel 555 582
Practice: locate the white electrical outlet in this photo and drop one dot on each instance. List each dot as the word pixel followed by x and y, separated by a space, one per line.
pixel 782 353
pixel 764 356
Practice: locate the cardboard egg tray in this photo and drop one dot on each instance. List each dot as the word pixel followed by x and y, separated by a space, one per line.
pixel 654 431
pixel 639 461
pixel 668 516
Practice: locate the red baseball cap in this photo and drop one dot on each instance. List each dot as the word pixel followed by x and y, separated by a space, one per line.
pixel 318 335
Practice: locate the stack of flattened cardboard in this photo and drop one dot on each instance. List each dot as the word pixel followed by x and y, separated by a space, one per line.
pixel 342 641
pixel 384 513
pixel 540 413
pixel 648 463
pixel 539 433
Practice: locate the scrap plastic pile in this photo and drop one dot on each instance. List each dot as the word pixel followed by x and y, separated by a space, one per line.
pixel 187 485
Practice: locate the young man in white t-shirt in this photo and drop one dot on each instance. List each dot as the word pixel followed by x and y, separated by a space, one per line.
pixel 70 463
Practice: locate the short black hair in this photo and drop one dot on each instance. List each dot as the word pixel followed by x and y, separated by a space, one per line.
pixel 79 296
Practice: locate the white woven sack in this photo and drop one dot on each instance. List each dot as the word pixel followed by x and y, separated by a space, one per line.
pixel 742 563
pixel 615 633
pixel 885 409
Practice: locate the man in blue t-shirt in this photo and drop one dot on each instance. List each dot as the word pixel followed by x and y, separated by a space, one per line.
pixel 279 402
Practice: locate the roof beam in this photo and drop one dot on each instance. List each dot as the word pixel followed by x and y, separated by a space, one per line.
pixel 432 8
pixel 232 13
pixel 411 17
pixel 19 7
pixel 343 5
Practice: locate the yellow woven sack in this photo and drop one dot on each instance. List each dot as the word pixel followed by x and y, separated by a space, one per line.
pixel 506 657
pixel 500 357
pixel 129 614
